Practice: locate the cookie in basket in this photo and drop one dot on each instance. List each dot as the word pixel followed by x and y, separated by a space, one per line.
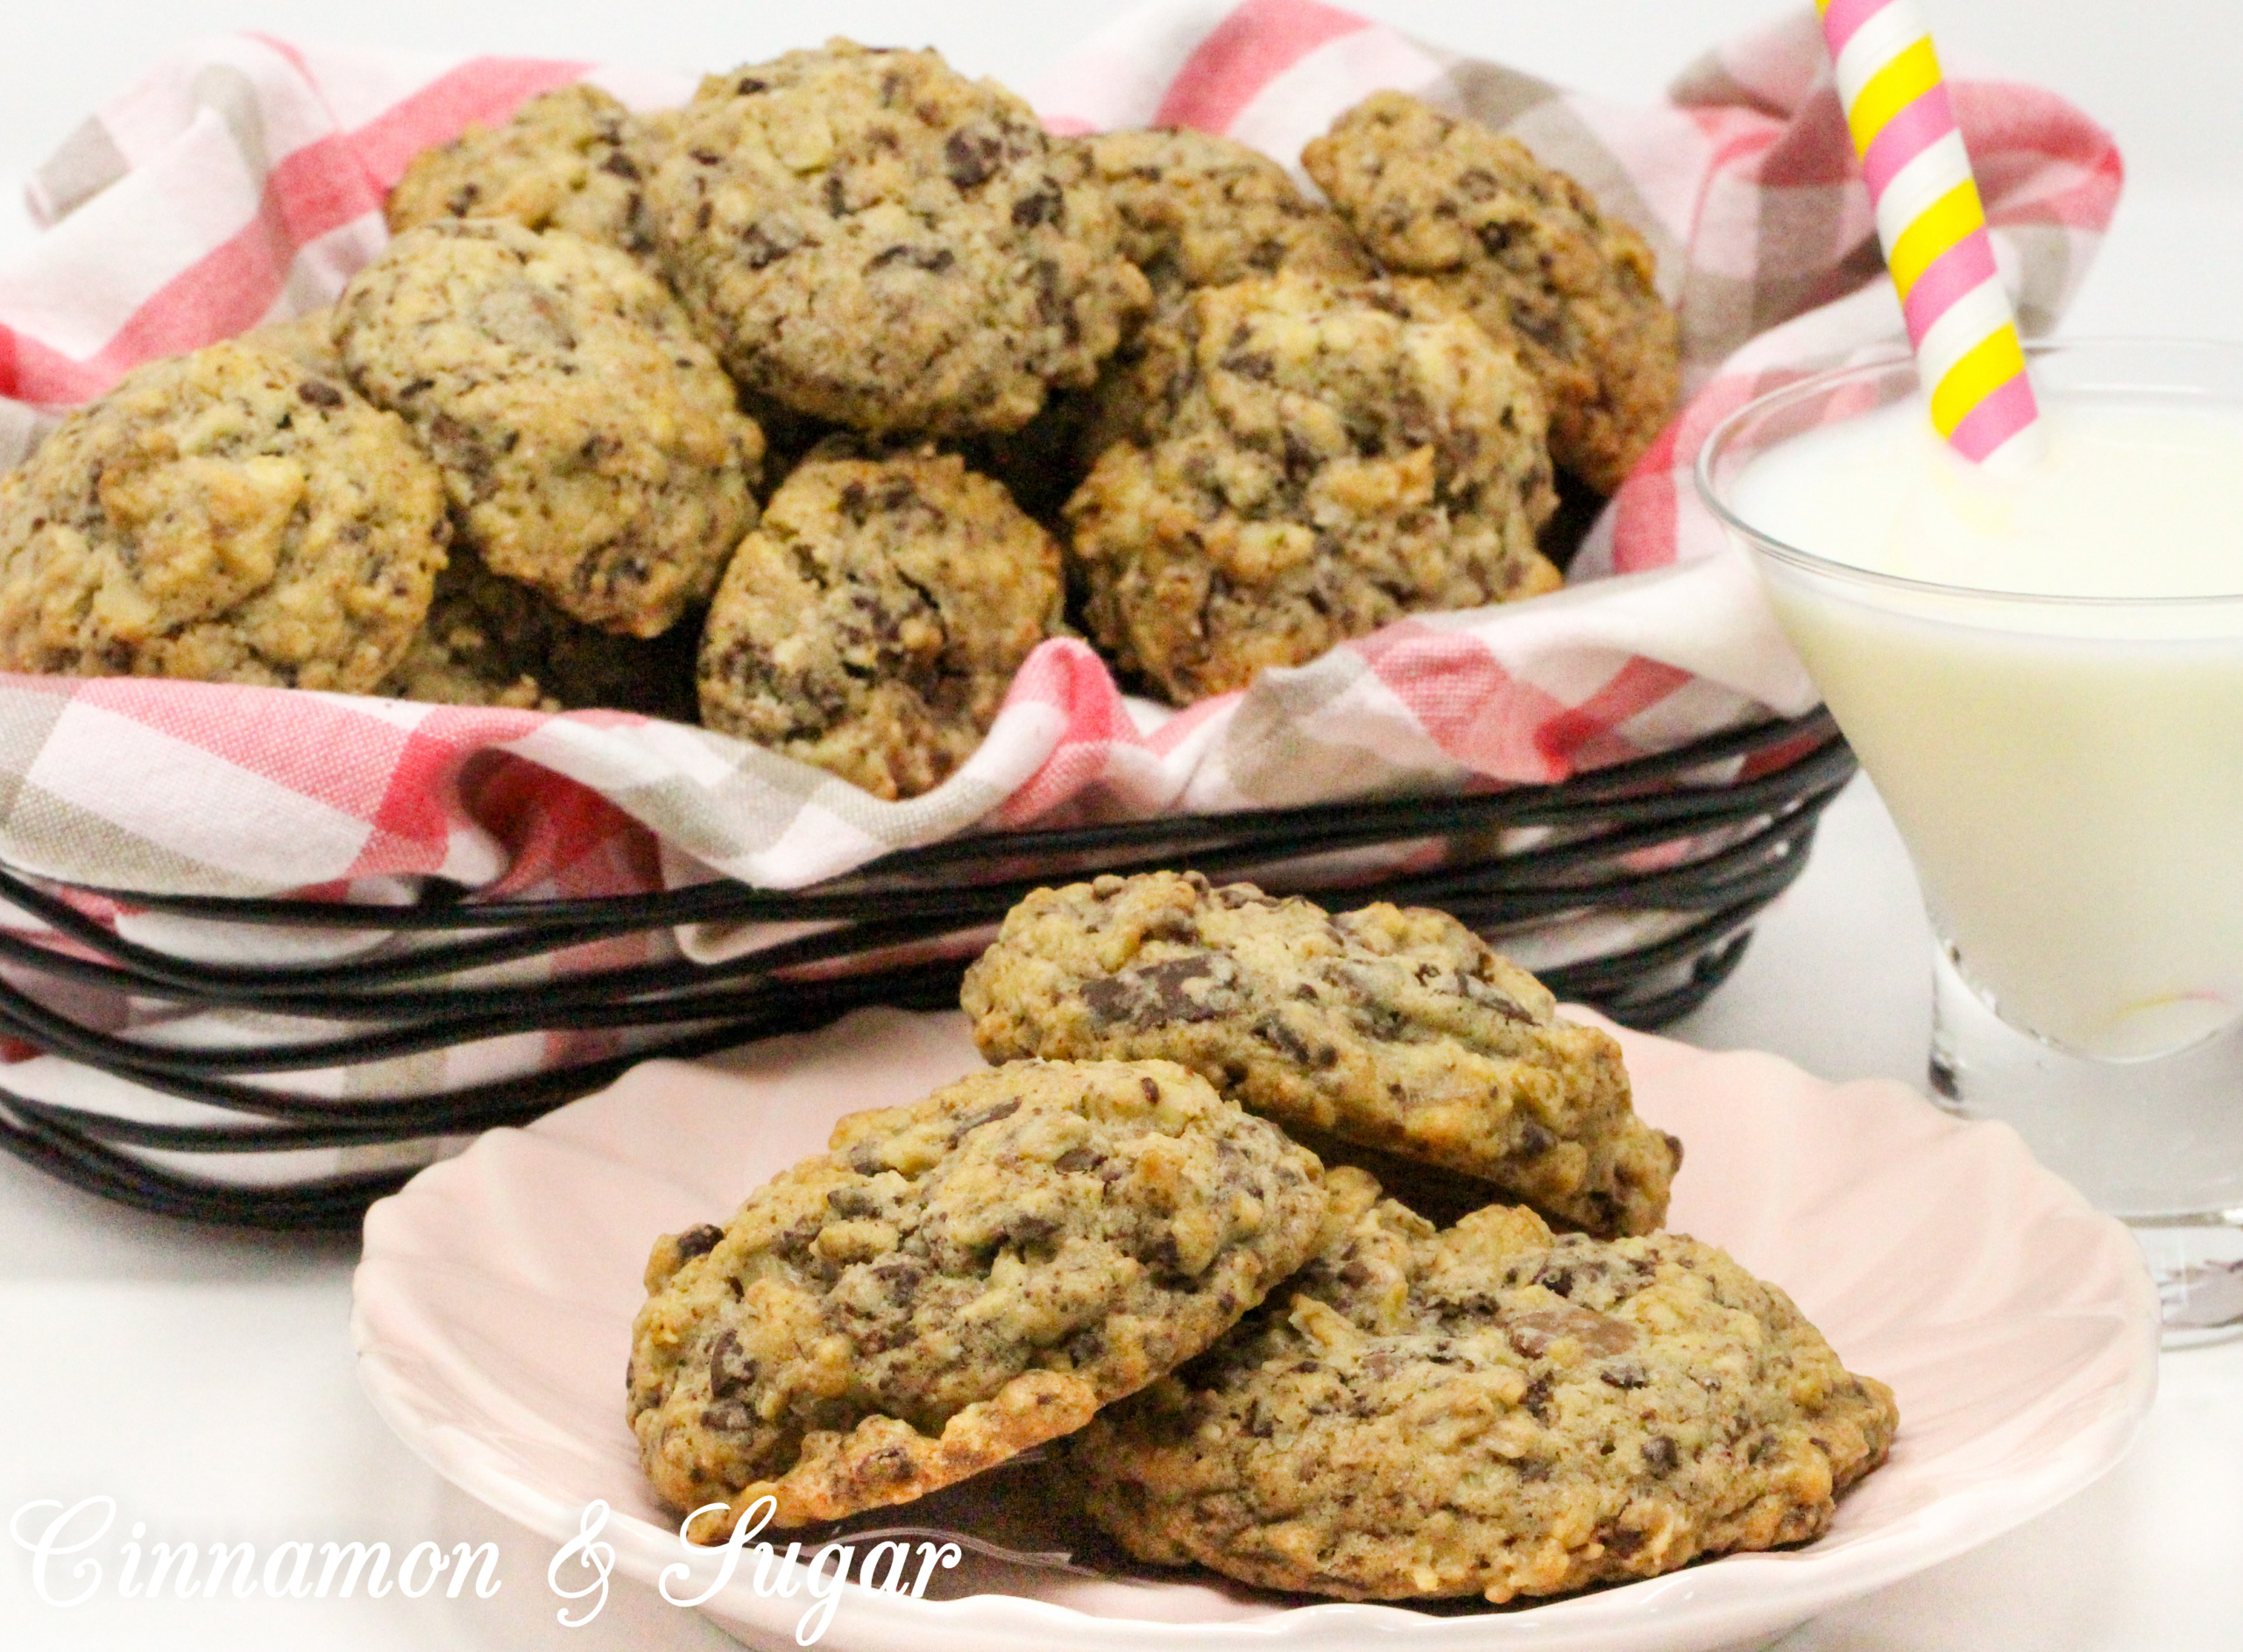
pixel 1396 1027
pixel 1529 253
pixel 1312 461
pixel 573 158
pixel 308 340
pixel 590 444
pixel 956 1282
pixel 879 241
pixel 230 516
pixel 490 641
pixel 872 623
pixel 1487 1410
pixel 1202 210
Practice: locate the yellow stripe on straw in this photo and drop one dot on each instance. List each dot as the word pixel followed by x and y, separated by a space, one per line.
pixel 1913 71
pixel 1990 363
pixel 1946 222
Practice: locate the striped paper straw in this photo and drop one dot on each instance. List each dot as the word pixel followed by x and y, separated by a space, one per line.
pixel 1934 228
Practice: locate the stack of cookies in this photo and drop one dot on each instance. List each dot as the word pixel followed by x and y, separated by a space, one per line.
pixel 811 407
pixel 1261 1359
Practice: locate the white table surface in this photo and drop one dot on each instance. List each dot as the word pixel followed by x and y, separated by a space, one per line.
pixel 205 1379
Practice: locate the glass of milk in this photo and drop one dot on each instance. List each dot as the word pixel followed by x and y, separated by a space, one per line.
pixel 2043 674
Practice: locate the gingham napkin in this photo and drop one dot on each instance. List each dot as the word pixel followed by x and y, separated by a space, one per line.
pixel 241 182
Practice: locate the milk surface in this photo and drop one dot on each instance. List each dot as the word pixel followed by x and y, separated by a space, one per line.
pixel 2138 497
pixel 2067 774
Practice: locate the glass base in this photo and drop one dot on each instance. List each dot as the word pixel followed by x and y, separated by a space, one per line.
pixel 2157 1141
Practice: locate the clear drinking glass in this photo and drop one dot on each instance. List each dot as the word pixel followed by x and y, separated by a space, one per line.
pixel 2068 775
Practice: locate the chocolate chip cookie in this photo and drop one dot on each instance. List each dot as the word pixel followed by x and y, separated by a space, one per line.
pixel 1397 1027
pixel 573 160
pixel 1529 252
pixel 872 623
pixel 882 242
pixel 1487 1410
pixel 230 516
pixel 490 641
pixel 955 1281
pixel 1201 210
pixel 590 444
pixel 1315 462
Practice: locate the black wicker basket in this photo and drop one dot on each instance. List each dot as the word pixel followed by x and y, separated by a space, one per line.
pixel 1703 837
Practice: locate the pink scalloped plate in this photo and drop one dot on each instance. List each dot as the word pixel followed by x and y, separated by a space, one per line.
pixel 2018 1327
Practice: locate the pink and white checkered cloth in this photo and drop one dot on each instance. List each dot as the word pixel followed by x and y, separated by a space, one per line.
pixel 243 182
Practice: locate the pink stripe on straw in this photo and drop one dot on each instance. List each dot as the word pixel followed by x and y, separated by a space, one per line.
pixel 2001 415
pixel 1846 16
pixel 1966 265
pixel 1915 129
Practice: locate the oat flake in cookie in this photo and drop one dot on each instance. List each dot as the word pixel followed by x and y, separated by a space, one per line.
pixel 882 243
pixel 872 623
pixel 1487 1410
pixel 1311 463
pixel 1529 252
pixel 1397 1027
pixel 956 1282
pixel 591 446
pixel 230 516
pixel 574 158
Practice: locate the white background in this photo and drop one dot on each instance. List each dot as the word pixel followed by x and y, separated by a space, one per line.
pixel 205 1379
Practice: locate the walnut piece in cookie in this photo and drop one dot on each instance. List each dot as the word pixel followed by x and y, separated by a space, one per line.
pixel 882 242
pixel 1529 253
pixel 872 623
pixel 1313 462
pixel 1396 1027
pixel 1488 1410
pixel 955 1281
pixel 492 641
pixel 573 158
pixel 590 444
pixel 230 516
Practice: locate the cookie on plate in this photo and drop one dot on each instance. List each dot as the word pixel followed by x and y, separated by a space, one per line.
pixel 879 241
pixel 591 446
pixel 1314 462
pixel 573 158
pixel 490 641
pixel 872 623
pixel 1487 1410
pixel 1396 1027
pixel 956 1282
pixel 230 516
pixel 1529 253
pixel 1202 210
